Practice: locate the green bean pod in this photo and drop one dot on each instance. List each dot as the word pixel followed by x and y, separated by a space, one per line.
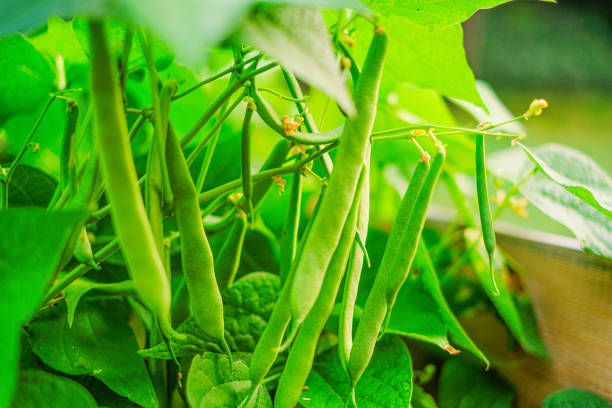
pixel 377 305
pixel 128 213
pixel 267 347
pixel 247 183
pixel 196 255
pixel 289 236
pixel 353 274
pixel 270 118
pixel 302 352
pixel 484 208
pixel 68 165
pixel 228 258
pixel 261 188
pixel 325 234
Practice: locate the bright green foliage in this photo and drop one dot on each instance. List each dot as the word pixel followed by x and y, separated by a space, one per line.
pixel 465 385
pixel 26 76
pixel 87 341
pixel 22 292
pixel 574 398
pixel 386 383
pixel 210 384
pixel 97 326
pixel 38 388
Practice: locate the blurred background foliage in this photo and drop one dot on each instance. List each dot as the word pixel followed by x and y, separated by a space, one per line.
pixel 560 52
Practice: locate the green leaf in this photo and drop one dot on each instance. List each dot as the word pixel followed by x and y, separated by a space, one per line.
pixel 35 244
pixel 387 382
pixel 209 384
pixel 463 385
pixel 60 39
pixel 435 14
pixel 427 59
pixel 574 398
pixel 38 389
pixel 514 307
pixel 100 343
pixel 576 172
pixel 26 76
pixel 261 251
pixel 592 228
pixel 298 38
pixel 30 187
pixel 247 306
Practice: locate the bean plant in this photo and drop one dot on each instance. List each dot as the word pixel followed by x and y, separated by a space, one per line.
pixel 226 205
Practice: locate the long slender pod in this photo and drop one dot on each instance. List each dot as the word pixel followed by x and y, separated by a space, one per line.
pixel 267 347
pixel 289 236
pixel 275 159
pixel 395 264
pixel 247 182
pixel 196 255
pixel 486 222
pixel 326 230
pixel 68 165
pixel 353 274
pixel 228 258
pixel 128 213
pixel 302 352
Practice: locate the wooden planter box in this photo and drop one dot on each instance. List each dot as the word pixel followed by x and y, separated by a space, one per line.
pixel 572 297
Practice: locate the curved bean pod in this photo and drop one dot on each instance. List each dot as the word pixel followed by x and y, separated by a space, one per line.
pixel 302 352
pixel 324 236
pixel 484 208
pixel 196 255
pixel 395 260
pixel 128 213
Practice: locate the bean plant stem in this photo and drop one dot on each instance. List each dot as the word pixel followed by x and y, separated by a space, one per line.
pixel 266 174
pixel 221 74
pixel 242 79
pixel 80 270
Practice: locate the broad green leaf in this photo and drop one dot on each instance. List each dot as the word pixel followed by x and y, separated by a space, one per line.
pixel 576 172
pixel 387 382
pixel 427 59
pixel 209 384
pixel 60 39
pixel 514 307
pixel 162 55
pixel 592 228
pixel 247 306
pixel 34 241
pixel 261 252
pixel 574 398
pixel 26 76
pixel 100 343
pixel 30 187
pixel 190 29
pixel 48 135
pixel 498 112
pixel 38 389
pixel 464 385
pixel 298 38
pixel 437 13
